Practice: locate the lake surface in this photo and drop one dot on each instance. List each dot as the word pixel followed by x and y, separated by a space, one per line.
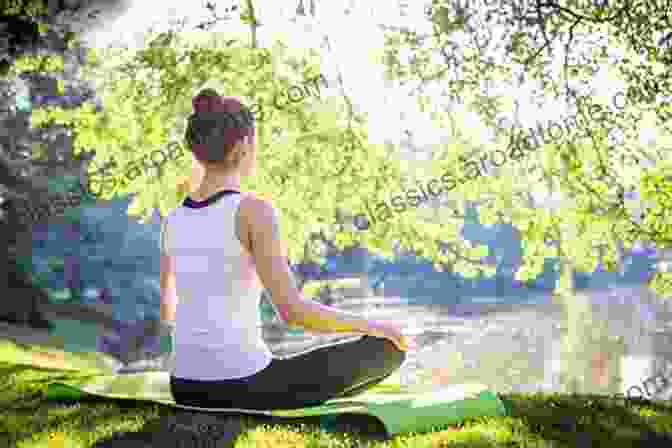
pixel 603 342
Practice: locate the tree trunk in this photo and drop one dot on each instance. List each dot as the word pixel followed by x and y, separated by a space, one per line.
pixel 19 300
pixel 72 270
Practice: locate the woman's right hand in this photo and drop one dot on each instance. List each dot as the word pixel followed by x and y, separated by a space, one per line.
pixel 393 333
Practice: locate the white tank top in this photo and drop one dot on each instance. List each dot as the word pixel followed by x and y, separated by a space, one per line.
pixel 217 323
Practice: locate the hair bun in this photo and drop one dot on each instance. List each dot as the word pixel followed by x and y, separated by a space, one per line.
pixel 208 100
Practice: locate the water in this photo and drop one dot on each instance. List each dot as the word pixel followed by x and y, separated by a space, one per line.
pixel 602 342
pixel 606 340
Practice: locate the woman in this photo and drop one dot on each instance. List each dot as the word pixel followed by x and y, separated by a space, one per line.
pixel 215 250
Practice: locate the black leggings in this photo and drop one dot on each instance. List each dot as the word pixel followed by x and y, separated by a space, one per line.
pixel 305 379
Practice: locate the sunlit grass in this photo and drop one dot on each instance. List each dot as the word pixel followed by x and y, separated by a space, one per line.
pixel 539 420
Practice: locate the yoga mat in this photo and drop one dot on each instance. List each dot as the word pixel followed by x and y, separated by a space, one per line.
pixel 400 409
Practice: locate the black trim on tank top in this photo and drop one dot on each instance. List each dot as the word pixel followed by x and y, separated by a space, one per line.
pixel 190 203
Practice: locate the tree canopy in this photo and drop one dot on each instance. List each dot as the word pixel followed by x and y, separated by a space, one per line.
pixel 317 166
pixel 613 187
pixel 313 155
pixel 28 30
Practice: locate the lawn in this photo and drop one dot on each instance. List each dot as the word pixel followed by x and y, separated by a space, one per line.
pixel 27 420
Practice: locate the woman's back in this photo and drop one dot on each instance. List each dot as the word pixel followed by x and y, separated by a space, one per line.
pixel 218 326
pixel 218 249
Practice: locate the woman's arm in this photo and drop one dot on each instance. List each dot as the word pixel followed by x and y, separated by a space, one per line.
pixel 167 279
pixel 270 257
pixel 168 291
pixel 166 324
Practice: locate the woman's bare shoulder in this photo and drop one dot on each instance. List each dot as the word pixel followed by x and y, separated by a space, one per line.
pixel 257 207
pixel 256 200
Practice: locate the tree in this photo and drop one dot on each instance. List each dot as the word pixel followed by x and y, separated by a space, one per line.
pixel 307 142
pixel 478 52
pixel 298 143
pixel 25 28
pixel 587 167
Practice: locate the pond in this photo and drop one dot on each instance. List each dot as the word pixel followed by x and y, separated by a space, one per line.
pixel 509 336
pixel 604 342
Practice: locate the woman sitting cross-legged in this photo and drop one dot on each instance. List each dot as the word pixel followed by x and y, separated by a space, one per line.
pixel 217 250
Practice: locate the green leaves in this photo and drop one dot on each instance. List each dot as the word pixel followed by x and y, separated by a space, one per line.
pixel 325 162
pixel 597 157
pixel 661 282
pixel 315 160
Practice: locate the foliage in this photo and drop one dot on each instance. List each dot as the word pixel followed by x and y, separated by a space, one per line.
pixel 32 8
pixel 479 51
pixel 39 64
pixel 313 157
pixel 147 99
pixel 28 28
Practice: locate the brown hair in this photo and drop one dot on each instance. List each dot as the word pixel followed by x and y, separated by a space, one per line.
pixel 215 126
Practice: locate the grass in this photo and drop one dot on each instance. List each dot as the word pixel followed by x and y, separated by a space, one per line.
pixel 27 420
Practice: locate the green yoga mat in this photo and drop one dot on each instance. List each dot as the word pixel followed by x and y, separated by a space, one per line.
pixel 399 409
